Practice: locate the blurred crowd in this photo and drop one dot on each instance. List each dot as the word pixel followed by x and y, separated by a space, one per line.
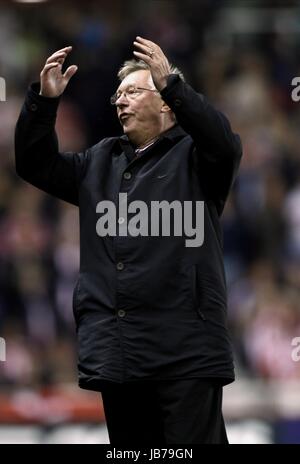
pixel 245 73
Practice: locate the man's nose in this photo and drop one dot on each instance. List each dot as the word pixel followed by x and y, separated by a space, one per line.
pixel 122 100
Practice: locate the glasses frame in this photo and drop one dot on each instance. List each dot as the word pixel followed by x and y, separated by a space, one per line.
pixel 115 97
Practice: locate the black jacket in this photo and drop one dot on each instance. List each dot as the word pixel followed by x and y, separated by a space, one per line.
pixel 145 307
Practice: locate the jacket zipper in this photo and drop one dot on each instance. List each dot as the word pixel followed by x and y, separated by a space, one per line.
pixel 195 297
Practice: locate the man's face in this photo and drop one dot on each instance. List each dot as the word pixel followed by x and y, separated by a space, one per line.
pixel 140 113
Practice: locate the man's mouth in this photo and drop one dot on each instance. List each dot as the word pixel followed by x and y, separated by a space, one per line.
pixel 124 116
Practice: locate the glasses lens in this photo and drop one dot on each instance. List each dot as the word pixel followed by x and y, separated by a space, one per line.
pixel 130 92
pixel 113 99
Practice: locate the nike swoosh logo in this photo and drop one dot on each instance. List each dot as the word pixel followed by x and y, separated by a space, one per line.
pixel 162 176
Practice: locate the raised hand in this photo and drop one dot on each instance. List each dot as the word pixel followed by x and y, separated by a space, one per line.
pixel 153 55
pixel 53 82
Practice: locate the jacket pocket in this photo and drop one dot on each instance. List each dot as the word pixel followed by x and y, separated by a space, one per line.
pixel 195 293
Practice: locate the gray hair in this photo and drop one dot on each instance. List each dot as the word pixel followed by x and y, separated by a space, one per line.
pixel 133 65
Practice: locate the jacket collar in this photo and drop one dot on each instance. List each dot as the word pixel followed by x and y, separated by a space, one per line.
pixel 172 135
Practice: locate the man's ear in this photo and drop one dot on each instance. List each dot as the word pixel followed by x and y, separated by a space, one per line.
pixel 165 108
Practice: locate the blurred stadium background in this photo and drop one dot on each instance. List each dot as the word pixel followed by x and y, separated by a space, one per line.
pixel 243 56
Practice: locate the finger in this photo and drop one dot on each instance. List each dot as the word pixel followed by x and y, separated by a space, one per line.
pixel 146 42
pixel 49 66
pixel 66 50
pixel 142 39
pixel 70 72
pixel 143 57
pixel 144 48
pixel 59 53
pixel 56 57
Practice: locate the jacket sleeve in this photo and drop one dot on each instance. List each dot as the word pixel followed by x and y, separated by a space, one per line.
pixel 218 150
pixel 37 157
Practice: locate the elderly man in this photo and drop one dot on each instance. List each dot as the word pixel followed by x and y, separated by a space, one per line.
pixel 149 307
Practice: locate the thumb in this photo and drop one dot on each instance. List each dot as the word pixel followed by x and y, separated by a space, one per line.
pixel 70 72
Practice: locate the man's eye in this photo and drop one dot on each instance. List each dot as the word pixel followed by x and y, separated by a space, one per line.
pixel 131 91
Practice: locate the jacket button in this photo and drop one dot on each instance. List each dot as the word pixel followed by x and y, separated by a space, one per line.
pixel 177 102
pixel 121 313
pixel 120 266
pixel 33 107
pixel 127 175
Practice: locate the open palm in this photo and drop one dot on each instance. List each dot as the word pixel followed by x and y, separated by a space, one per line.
pixel 53 82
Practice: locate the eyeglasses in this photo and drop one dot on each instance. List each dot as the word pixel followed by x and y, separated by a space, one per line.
pixel 130 92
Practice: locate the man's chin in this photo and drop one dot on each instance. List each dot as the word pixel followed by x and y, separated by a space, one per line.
pixel 127 129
